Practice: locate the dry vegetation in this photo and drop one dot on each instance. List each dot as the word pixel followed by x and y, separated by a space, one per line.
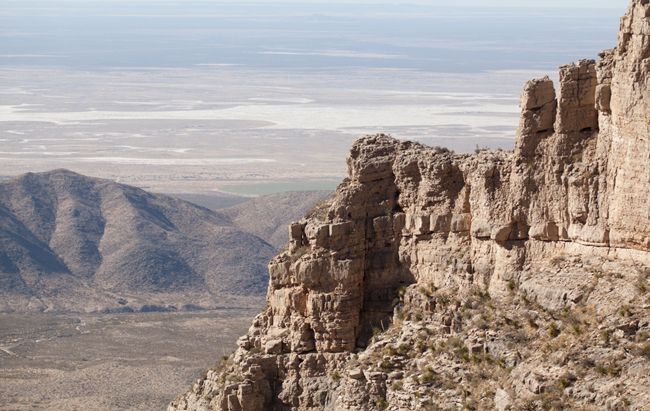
pixel 110 362
pixel 451 350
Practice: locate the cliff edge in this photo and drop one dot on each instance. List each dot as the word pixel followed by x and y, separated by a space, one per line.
pixel 502 280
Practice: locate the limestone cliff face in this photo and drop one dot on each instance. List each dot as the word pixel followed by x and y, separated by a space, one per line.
pixel 502 280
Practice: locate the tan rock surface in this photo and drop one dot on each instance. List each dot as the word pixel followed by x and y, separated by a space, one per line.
pixel 507 280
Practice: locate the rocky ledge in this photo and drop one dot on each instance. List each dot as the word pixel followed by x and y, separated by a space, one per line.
pixel 502 280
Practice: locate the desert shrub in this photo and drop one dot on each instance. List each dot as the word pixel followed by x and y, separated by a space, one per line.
pixel 558 259
pixel 605 336
pixel 624 403
pixel 642 281
pixel 608 369
pixel 566 380
pixel 588 363
pixel 576 328
pixel 625 311
pixel 401 290
pixel 443 300
pixel 389 350
pixel 644 350
pixel 530 405
pixel 319 211
pixel 462 353
pixel 478 149
pixel 386 365
pixel 427 377
pixel 403 349
pixel 426 291
pixel 482 324
pixel 302 250
pixel 553 330
pixel 376 331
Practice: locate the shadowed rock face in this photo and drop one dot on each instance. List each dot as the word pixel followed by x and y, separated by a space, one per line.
pixel 62 232
pixel 504 280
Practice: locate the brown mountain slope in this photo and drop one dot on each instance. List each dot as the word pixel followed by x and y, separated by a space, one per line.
pixel 268 216
pixel 69 241
pixel 505 280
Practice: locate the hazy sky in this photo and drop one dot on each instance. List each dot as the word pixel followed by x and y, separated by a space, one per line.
pixel 464 3
pixel 432 35
pixel 614 4
pixel 527 3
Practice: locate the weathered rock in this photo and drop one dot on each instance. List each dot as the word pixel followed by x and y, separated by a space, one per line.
pixel 547 231
pixel 356 374
pixel 577 98
pixel 502 401
pixel 539 106
pixel 429 268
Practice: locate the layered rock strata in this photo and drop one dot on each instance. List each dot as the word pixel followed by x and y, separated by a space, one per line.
pixel 501 280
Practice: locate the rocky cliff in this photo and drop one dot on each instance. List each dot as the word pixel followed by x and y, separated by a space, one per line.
pixel 503 280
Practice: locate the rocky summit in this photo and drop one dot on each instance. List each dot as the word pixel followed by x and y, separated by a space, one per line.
pixel 502 280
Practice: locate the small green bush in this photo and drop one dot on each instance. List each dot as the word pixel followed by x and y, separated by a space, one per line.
pixel 336 376
pixel 403 349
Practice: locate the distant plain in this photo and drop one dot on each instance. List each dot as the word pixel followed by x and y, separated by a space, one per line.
pixel 257 97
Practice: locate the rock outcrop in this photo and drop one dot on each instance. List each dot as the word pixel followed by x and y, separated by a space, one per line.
pixel 503 280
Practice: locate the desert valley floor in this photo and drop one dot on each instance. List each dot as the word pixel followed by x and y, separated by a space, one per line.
pixel 110 361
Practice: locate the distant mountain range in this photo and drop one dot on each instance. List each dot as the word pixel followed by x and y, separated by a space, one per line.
pixel 268 216
pixel 72 242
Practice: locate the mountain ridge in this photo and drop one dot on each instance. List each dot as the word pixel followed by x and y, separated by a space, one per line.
pixel 268 216
pixel 64 231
